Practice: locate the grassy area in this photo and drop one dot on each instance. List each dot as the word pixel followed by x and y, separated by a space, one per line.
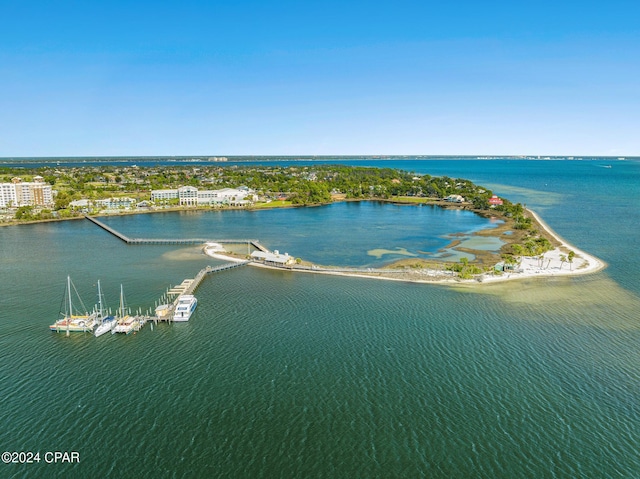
pixel 412 199
pixel 273 204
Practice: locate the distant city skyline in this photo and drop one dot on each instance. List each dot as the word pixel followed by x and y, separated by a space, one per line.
pixel 280 78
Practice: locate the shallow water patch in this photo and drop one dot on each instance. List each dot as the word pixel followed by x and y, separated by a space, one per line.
pixel 483 243
pixel 380 252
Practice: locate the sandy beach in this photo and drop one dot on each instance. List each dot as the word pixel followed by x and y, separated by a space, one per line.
pixel 552 264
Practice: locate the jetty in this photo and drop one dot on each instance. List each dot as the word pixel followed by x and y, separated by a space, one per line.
pixel 137 241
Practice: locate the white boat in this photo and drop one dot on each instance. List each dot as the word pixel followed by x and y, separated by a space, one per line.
pixel 104 323
pixel 185 305
pixel 125 323
pixel 70 322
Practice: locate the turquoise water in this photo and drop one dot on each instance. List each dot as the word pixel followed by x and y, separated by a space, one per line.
pixel 281 375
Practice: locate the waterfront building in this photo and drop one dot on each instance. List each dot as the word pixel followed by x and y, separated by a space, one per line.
pixel 495 201
pixel 20 193
pixel 188 195
pixel 107 204
pixel 80 204
pixel 275 258
pixel 163 195
pixel 115 203
pixel 7 195
pixel 192 196
pixel 226 196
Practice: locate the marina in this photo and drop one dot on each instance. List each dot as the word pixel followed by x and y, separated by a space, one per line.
pixel 177 304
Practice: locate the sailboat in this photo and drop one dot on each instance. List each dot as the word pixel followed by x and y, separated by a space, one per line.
pixel 105 323
pixel 70 322
pixel 127 324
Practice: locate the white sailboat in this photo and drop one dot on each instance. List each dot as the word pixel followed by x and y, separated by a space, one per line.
pixel 70 322
pixel 106 323
pixel 126 323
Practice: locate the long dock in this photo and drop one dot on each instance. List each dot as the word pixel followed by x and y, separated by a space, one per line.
pixel 136 241
pixel 115 233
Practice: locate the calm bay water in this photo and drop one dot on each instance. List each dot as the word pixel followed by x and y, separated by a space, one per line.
pixel 359 234
pixel 280 375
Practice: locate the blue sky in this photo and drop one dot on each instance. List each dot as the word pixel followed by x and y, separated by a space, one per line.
pixel 287 78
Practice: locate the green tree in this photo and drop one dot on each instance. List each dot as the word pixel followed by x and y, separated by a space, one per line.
pixel 24 213
pixel 518 252
pixel 480 202
pixel 62 200
pixel 563 259
pixel 522 223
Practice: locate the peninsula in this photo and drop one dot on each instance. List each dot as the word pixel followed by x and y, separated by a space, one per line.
pixel 530 247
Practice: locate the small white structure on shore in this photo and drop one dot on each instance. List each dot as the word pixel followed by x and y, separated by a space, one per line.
pixel 454 199
pixel 275 258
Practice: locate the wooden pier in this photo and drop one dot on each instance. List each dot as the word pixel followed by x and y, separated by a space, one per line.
pixel 190 285
pixel 136 241
pixel 115 233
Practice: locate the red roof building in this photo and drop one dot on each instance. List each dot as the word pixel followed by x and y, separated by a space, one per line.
pixel 495 201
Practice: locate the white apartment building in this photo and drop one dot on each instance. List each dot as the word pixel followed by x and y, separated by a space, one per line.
pixel 191 196
pixel 8 195
pixel 157 195
pixel 188 195
pixel 19 193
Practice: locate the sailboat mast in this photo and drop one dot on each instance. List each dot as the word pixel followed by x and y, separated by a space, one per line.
pixel 99 300
pixel 122 311
pixel 70 309
pixel 69 292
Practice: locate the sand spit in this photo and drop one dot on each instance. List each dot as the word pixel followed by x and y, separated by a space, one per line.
pixel 551 264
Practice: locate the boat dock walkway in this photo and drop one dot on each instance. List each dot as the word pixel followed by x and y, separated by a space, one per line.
pixel 135 241
pixel 188 286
